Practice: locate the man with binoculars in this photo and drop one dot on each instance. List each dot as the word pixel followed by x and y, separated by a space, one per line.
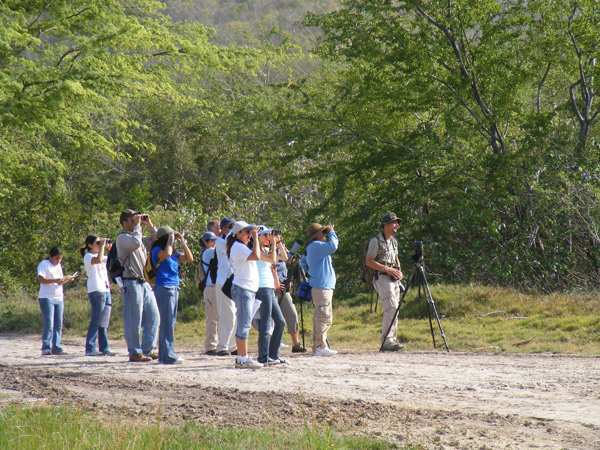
pixel 382 257
pixel 140 310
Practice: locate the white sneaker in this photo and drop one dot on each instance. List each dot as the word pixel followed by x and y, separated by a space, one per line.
pixel 282 346
pixel 248 364
pixel 179 360
pixel 94 353
pixel 325 351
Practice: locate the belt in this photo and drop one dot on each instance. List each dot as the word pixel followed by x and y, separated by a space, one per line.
pixel 139 280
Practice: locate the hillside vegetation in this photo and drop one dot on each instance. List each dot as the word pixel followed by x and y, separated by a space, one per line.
pixel 477 122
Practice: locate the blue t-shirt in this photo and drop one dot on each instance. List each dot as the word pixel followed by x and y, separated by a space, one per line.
pixel 167 273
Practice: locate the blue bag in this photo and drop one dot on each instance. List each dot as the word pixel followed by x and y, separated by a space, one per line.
pixel 304 291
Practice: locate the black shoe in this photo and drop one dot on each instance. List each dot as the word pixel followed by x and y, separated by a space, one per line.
pixel 211 353
pixel 234 353
pixel 223 353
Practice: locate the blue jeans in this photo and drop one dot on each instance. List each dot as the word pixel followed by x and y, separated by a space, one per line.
pixel 139 312
pixel 268 345
pixel 52 313
pixel 244 302
pixel 98 300
pixel 167 297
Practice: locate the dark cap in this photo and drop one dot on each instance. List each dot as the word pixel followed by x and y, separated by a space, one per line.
pixel 226 221
pixel 389 218
pixel 125 215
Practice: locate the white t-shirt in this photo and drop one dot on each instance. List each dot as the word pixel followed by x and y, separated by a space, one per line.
pixel 246 272
pixel 52 291
pixel 223 267
pixel 97 274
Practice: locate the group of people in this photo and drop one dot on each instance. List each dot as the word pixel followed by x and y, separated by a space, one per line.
pixel 249 288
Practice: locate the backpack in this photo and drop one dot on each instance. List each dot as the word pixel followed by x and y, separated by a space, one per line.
pixel 113 265
pixel 366 272
pixel 150 270
pixel 201 275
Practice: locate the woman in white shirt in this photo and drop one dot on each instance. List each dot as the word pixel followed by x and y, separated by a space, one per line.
pixel 50 298
pixel 98 287
pixel 245 284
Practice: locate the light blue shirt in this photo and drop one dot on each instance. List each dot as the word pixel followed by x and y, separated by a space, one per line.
pixel 317 262
pixel 265 276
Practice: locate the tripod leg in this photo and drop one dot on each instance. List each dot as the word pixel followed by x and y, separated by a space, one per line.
pixel 302 323
pixel 412 275
pixel 430 302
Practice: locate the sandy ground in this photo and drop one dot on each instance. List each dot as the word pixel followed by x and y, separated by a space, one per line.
pixel 437 399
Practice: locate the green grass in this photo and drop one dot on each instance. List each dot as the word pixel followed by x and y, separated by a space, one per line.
pixel 54 428
pixel 474 318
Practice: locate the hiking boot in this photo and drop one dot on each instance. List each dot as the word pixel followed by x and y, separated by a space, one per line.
pixel 59 352
pixel 153 355
pixel 325 351
pixel 211 353
pixel 223 353
pixel 94 353
pixel 297 348
pixel 46 353
pixel 109 353
pixel 393 347
pixel 248 364
pixel 140 357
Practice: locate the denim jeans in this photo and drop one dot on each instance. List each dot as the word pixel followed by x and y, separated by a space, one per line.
pixel 244 302
pixel 98 300
pixel 139 312
pixel 167 297
pixel 268 345
pixel 52 313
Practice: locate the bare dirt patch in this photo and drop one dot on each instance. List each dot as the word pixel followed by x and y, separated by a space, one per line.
pixel 437 399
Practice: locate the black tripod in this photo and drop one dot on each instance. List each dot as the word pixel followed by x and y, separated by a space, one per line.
pixel 417 277
pixel 295 275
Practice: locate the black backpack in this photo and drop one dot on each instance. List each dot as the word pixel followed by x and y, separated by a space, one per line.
pixel 202 274
pixel 113 265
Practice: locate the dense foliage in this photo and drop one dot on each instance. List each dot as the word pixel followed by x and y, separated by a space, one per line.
pixel 477 122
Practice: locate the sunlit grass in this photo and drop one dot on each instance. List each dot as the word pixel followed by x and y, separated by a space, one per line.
pixel 474 318
pixel 52 428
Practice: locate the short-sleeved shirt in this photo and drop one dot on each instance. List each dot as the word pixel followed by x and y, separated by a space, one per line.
pixel 383 251
pixel 167 274
pixel 52 291
pixel 223 267
pixel 246 272
pixel 97 275
pixel 207 255
pixel 265 275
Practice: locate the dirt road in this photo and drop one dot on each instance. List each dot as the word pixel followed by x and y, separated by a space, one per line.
pixel 437 399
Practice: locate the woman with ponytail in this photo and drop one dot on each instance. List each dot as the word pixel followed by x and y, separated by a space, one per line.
pixel 98 288
pixel 245 285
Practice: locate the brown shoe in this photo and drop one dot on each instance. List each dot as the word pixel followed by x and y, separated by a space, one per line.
pixel 297 348
pixel 153 355
pixel 140 358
